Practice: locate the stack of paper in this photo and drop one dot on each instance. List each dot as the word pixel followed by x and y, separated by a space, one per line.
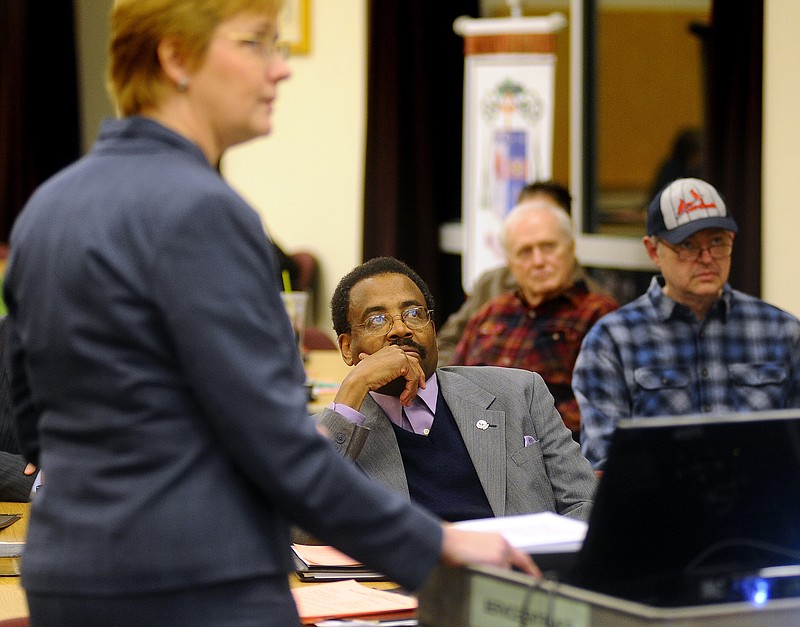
pixel 10 555
pixel 344 599
pixel 324 563
pixel 544 532
pixel 11 549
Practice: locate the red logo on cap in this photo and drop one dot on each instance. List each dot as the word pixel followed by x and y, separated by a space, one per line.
pixel 697 202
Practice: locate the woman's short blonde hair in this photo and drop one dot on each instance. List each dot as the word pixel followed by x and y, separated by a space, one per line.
pixel 135 78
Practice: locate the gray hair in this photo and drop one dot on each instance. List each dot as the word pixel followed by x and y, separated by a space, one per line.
pixel 536 205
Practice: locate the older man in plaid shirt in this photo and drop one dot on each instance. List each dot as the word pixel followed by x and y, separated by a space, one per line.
pixel 691 344
pixel 539 326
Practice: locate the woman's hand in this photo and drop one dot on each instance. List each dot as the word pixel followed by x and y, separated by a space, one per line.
pixel 462 548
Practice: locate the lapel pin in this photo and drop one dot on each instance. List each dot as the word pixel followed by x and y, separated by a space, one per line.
pixel 483 425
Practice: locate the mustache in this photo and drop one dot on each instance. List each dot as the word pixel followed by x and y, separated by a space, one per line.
pixel 405 341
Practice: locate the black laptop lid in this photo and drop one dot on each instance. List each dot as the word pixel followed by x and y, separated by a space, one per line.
pixel 691 502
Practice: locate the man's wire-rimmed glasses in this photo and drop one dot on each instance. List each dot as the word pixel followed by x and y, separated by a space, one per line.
pixel 380 324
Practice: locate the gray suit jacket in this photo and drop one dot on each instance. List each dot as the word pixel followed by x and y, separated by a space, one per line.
pixel 548 475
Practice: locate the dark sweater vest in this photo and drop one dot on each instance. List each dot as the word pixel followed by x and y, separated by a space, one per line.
pixel 439 471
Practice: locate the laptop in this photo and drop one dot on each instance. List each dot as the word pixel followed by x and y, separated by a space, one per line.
pixel 697 509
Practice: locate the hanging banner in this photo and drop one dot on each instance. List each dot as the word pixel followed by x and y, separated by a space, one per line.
pixel 509 85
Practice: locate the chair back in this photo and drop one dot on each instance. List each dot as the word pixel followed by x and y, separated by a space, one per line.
pixel 307 279
pixel 315 339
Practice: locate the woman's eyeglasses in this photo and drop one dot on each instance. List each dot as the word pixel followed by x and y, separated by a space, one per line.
pixel 263 45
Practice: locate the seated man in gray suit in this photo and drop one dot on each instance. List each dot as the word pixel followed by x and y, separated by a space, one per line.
pixel 465 442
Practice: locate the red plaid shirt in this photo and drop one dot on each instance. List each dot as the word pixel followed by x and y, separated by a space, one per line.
pixel 544 339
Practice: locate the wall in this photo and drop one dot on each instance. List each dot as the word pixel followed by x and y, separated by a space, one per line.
pixel 781 159
pixel 91 34
pixel 307 178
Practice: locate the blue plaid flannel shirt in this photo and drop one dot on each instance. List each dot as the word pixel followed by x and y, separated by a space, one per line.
pixel 652 357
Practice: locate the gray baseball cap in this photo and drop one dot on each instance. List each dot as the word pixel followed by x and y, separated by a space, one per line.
pixel 684 207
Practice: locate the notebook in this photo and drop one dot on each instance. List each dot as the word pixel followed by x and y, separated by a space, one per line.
pixel 697 509
pixel 324 563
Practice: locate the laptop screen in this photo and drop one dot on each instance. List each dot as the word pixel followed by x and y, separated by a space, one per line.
pixel 690 509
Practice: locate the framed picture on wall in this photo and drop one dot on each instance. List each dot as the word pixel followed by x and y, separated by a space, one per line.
pixel 294 24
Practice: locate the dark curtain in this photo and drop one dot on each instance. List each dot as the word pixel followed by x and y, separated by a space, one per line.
pixel 39 118
pixel 733 126
pixel 414 136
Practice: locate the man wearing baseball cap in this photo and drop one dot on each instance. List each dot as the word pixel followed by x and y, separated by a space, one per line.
pixel 691 344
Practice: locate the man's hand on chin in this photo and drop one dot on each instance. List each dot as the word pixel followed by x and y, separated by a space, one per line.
pixel 390 370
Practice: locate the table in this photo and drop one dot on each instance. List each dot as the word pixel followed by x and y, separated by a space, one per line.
pixel 12 596
pixel 325 370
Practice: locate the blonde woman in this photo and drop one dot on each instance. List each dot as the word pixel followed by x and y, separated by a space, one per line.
pixel 155 377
